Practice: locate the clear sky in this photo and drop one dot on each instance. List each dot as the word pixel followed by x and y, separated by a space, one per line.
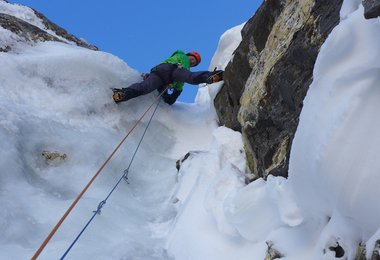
pixel 145 32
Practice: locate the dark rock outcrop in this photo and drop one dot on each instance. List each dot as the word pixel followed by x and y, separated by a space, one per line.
pixel 30 33
pixel 338 250
pixel 362 251
pixel 27 31
pixel 63 33
pixel 267 80
pixel 5 49
pixel 272 253
pixel 180 161
pixel 254 35
pixel 376 251
pixel 371 8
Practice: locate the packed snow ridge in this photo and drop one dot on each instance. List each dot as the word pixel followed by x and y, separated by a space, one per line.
pixel 58 124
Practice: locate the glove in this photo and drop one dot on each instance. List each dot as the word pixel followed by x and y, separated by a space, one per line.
pixel 215 76
pixel 171 98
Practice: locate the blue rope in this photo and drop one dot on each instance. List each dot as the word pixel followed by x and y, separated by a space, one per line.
pixel 124 176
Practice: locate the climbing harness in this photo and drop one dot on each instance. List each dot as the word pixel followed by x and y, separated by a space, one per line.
pixel 125 176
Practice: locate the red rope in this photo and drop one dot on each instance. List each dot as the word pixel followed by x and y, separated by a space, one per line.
pixel 54 230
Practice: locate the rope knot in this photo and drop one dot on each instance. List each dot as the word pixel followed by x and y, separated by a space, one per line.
pixel 100 206
pixel 125 176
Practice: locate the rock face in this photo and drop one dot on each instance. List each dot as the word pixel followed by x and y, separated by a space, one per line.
pixel 362 251
pixel 268 78
pixel 371 8
pixel 63 33
pixel 30 33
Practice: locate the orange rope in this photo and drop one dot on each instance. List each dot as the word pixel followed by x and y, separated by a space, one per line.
pixel 38 252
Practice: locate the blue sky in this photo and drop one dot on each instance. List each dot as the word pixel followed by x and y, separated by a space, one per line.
pixel 143 33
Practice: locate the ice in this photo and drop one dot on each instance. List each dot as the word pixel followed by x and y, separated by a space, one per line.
pixel 56 97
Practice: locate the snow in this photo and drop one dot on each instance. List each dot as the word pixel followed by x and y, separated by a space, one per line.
pixel 56 97
pixel 28 15
pixel 339 173
pixel 23 12
pixel 228 43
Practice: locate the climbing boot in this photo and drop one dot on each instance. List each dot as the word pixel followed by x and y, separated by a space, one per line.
pixel 124 94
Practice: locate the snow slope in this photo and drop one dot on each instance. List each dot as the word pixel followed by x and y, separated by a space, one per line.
pixel 330 198
pixel 56 97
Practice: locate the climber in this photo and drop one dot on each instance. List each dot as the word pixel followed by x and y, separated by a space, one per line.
pixel 169 77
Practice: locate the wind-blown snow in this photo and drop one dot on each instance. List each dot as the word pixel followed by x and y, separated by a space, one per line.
pixel 340 170
pixel 28 15
pixel 23 12
pixel 56 97
pixel 228 43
